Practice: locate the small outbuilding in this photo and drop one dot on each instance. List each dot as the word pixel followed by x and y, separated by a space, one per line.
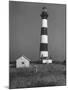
pixel 22 62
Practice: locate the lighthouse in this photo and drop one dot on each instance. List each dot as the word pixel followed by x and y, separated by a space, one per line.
pixel 44 37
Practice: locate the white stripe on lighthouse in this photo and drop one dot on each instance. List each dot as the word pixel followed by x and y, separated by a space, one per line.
pixel 44 53
pixel 44 38
pixel 44 23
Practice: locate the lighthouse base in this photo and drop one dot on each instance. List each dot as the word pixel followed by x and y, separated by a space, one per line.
pixel 47 61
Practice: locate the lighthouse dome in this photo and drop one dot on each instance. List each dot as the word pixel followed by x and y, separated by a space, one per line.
pixel 44 9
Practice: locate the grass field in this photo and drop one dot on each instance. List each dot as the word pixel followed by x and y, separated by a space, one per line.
pixel 38 75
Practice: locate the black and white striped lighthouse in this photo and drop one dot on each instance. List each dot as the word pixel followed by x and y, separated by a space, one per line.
pixel 44 37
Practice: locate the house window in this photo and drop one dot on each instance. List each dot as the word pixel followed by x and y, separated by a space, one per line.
pixel 22 62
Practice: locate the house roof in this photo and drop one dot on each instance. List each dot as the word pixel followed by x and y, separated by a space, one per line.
pixel 24 57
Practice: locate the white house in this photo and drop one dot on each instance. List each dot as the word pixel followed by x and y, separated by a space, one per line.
pixel 22 62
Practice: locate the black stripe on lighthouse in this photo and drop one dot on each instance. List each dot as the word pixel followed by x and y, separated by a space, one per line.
pixel 43 47
pixel 44 31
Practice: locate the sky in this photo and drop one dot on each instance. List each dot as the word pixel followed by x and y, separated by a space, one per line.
pixel 25 29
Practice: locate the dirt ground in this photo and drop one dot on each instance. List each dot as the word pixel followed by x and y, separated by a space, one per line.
pixel 38 75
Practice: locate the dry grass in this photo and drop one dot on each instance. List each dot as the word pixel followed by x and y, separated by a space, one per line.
pixel 46 75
